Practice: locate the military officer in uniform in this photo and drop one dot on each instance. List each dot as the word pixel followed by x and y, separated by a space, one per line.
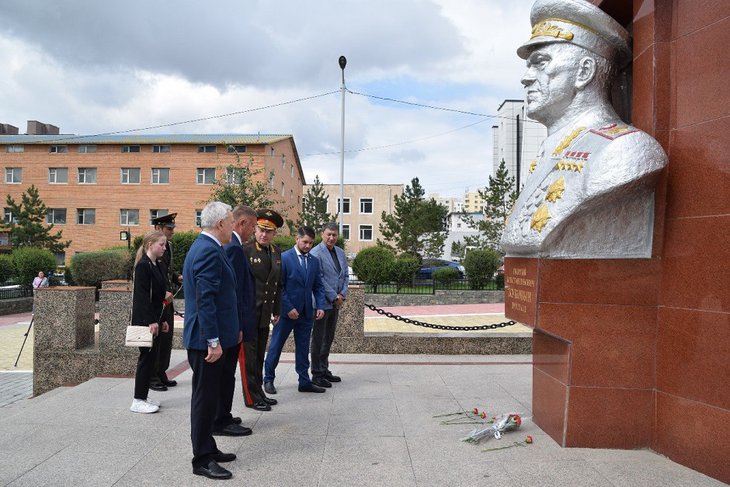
pixel 590 191
pixel 265 260
pixel 159 380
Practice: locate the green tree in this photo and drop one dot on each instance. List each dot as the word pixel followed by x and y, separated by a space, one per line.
pixel 242 184
pixel 499 197
pixel 28 261
pixel 28 226
pixel 314 207
pixel 417 225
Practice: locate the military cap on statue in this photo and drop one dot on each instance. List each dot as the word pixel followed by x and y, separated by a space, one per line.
pixel 581 23
pixel 165 220
pixel 269 219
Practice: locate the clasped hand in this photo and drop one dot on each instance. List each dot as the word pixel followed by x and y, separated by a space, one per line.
pixel 156 328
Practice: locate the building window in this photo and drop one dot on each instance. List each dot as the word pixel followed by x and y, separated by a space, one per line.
pixel 85 216
pixel 56 216
pixel 234 175
pixel 271 180
pixel 58 175
pixel 366 205
pixel 130 175
pixel 345 206
pixel 291 195
pixel 58 149
pixel 345 231
pixel 283 160
pixel 198 214
pixel 206 148
pixel 282 188
pixel 236 149
pixel 15 148
pixel 157 213
pixel 9 217
pixel 87 149
pixel 366 232
pixel 206 175
pixel 128 217
pixel 292 170
pixel 159 149
pixel 87 175
pixel 13 175
pixel 130 148
pixel 160 175
pixel 60 259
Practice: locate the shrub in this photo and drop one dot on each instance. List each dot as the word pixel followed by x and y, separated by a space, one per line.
pixel 374 265
pixel 28 261
pixel 445 274
pixel 91 268
pixel 181 242
pixel 404 267
pixel 284 242
pixel 500 281
pixel 7 267
pixel 480 266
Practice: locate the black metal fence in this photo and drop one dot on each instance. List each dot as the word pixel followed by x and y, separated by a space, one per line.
pixel 14 292
pixel 430 286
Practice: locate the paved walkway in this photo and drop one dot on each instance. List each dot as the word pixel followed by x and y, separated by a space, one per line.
pixel 375 428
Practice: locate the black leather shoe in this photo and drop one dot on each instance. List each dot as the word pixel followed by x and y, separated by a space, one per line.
pixel 311 388
pixel 213 471
pixel 270 402
pixel 321 382
pixel 169 383
pixel 221 457
pixel 269 388
pixel 236 420
pixel 158 386
pixel 233 430
pixel 332 378
pixel 260 406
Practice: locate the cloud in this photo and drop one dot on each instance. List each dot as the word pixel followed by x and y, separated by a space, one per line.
pixel 93 67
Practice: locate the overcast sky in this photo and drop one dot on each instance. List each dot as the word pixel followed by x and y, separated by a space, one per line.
pixel 92 66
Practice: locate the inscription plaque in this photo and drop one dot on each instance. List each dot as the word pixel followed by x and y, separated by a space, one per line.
pixel 520 290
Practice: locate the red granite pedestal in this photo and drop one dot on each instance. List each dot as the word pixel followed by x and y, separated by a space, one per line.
pixel 593 346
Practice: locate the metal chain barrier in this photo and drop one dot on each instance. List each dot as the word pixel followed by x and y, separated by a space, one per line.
pixel 411 321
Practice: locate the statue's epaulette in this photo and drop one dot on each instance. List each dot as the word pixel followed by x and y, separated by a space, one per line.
pixel 614 131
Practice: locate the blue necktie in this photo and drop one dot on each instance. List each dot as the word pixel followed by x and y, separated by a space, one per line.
pixel 303 259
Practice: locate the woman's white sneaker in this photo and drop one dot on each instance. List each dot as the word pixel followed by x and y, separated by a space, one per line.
pixel 140 406
pixel 153 402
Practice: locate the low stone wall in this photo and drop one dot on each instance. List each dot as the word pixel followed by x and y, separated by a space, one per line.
pixel 66 348
pixel 440 297
pixel 351 337
pixel 17 305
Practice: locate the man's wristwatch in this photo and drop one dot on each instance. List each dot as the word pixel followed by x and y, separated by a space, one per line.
pixel 213 343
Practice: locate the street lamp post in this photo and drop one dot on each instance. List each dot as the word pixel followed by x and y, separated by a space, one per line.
pixel 343 63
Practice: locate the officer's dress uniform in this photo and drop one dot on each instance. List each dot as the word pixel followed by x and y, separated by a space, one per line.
pixel 266 265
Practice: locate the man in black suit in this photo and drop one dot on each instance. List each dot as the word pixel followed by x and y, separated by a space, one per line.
pixel 211 332
pixel 159 380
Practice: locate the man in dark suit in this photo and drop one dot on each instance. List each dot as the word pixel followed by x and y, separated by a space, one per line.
pixel 335 278
pixel 265 260
pixel 159 380
pixel 211 331
pixel 244 219
pixel 301 290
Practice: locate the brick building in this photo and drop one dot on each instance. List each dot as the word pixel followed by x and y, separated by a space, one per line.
pixel 97 186
pixel 362 209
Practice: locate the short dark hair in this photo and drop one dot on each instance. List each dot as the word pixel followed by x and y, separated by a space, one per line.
pixel 242 210
pixel 306 231
pixel 331 226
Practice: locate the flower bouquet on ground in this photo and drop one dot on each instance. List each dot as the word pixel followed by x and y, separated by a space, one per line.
pixel 463 417
pixel 500 425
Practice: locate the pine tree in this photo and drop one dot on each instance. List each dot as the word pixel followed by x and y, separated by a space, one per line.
pixel 499 197
pixel 417 226
pixel 314 207
pixel 28 226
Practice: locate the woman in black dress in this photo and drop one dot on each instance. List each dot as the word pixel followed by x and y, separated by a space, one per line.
pixel 150 293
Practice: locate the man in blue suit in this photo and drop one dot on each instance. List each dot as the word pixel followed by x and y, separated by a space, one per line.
pixel 302 290
pixel 244 223
pixel 211 332
pixel 335 278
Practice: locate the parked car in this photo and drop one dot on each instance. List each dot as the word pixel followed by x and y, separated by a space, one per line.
pixel 430 265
